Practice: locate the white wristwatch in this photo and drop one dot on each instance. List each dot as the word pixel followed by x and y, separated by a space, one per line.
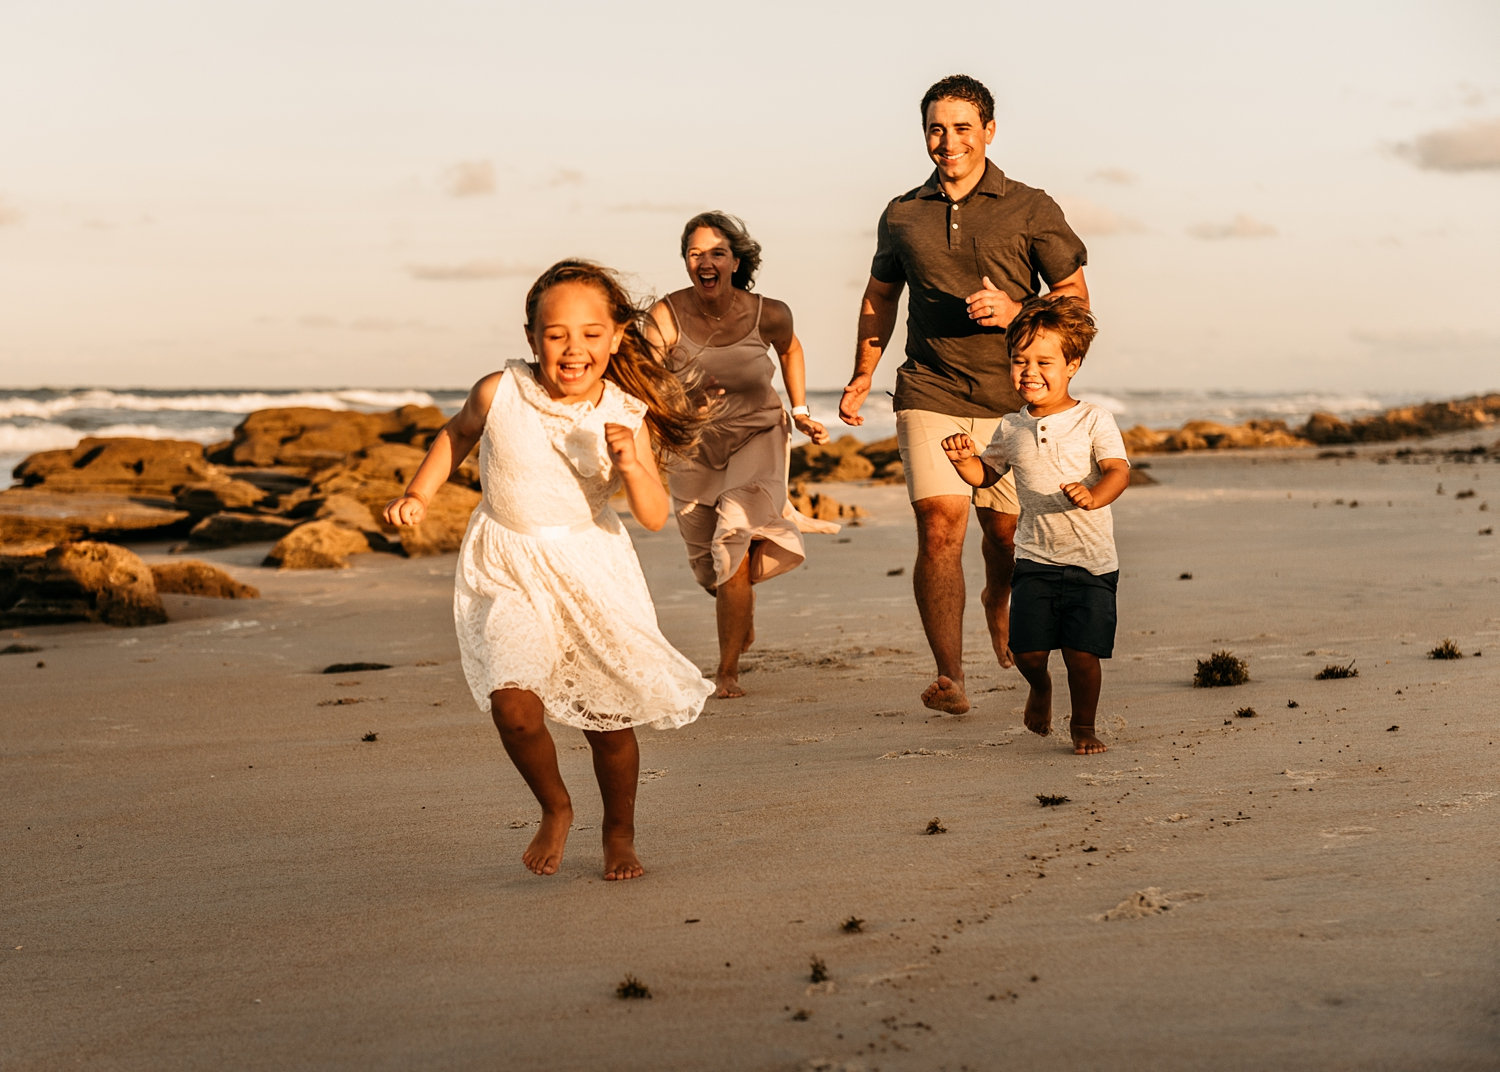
pixel 801 411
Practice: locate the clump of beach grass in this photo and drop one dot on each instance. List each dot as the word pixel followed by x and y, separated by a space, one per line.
pixel 1446 650
pixel 1334 671
pixel 632 989
pixel 1220 669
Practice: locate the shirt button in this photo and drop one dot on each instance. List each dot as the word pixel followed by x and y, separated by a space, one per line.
pixel 955 226
pixel 1044 439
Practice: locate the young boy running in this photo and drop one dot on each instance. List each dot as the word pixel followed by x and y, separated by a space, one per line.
pixel 1069 462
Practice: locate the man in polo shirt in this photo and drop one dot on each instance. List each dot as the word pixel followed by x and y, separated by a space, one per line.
pixel 972 244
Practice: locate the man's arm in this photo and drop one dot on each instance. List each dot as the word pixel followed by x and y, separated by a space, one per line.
pixel 1074 285
pixel 877 320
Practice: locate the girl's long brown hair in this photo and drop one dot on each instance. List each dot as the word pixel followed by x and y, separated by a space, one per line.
pixel 637 367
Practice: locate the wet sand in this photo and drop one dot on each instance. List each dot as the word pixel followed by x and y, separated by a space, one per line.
pixel 208 866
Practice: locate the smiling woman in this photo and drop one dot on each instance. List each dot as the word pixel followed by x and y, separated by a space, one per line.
pixel 730 494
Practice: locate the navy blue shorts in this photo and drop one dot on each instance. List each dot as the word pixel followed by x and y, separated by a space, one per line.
pixel 1054 607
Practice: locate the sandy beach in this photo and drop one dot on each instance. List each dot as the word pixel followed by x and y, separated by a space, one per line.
pixel 208 866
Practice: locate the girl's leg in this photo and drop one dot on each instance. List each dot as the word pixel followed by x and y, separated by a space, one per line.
pixel 734 607
pixel 1033 667
pixel 617 765
pixel 523 732
pixel 1083 688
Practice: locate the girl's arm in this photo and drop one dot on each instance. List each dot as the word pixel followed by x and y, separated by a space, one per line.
pixel 631 453
pixel 776 322
pixel 449 449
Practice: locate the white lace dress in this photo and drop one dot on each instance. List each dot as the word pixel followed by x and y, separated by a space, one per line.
pixel 549 594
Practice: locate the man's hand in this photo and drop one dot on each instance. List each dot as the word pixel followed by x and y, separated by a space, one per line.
pixel 959 447
pixel 990 307
pixel 855 393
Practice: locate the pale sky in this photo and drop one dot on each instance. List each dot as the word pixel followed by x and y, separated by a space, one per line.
pixel 267 193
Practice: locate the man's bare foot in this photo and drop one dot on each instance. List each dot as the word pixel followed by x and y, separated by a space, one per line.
pixel 728 686
pixel 620 860
pixel 946 695
pixel 1085 743
pixel 544 855
pixel 1038 713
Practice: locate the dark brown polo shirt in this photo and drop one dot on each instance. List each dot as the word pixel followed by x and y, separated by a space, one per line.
pixel 941 250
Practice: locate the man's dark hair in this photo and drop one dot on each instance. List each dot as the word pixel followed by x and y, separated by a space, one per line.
pixel 962 87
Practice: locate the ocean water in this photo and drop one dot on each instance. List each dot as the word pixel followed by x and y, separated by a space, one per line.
pixel 56 419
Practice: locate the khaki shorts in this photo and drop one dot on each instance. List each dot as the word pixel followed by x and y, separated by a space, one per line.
pixel 921 432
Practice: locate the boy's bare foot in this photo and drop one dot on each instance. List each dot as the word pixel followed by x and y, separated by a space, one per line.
pixel 998 619
pixel 728 686
pixel 1085 743
pixel 946 695
pixel 620 860
pixel 1038 712
pixel 544 855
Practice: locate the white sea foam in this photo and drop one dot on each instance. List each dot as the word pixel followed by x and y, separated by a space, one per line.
pixel 30 438
pixel 211 402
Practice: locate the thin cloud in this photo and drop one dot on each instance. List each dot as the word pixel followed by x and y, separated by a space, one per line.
pixel 1091 219
pixel 565 177
pixel 470 270
pixel 9 214
pixel 470 178
pixel 386 325
pixel 660 207
pixel 318 320
pixel 1118 176
pixel 1471 147
pixel 1242 226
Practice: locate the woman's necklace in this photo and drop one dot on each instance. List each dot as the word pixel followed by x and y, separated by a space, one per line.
pixel 708 315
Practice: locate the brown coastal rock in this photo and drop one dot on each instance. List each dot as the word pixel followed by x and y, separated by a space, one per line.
pixel 39 514
pixel 306 437
pixel 196 578
pixel 124 465
pixel 318 545
pixel 821 507
pixel 231 528
pixel 83 581
pixel 215 496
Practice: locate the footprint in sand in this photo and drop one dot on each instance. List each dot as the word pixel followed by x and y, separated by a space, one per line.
pixel 1345 833
pixel 1148 902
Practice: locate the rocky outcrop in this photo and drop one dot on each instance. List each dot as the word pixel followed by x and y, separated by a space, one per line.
pixel 33 514
pixel 121 466
pixel 196 578
pixel 302 437
pixel 229 529
pixel 318 545
pixel 822 507
pixel 83 581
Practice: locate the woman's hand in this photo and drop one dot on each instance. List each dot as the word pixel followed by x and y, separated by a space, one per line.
pixel 810 428
pixel 405 510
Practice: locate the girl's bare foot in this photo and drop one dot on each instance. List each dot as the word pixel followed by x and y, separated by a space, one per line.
pixel 728 686
pixel 946 695
pixel 544 855
pixel 1085 743
pixel 620 860
pixel 1038 713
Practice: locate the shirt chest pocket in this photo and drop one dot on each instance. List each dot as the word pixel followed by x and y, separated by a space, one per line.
pixel 1074 459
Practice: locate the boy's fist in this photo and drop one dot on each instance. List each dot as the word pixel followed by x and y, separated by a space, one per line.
pixel 1078 495
pixel 959 447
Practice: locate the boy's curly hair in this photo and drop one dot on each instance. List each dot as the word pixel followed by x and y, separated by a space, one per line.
pixel 1065 316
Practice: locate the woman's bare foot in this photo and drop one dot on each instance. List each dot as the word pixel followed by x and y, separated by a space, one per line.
pixel 728 686
pixel 1085 743
pixel 544 855
pixel 946 695
pixel 1038 713
pixel 620 860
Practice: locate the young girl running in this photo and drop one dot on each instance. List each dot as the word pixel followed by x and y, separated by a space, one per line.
pixel 552 610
